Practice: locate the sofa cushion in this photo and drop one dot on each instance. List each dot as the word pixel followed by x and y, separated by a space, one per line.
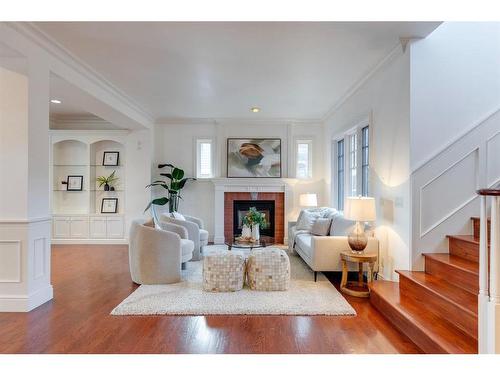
pixel 203 235
pixel 307 219
pixel 304 242
pixel 187 247
pixel 340 225
pixel 321 227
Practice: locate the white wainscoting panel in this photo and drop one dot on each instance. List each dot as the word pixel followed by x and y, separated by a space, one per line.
pixel 10 266
pixel 443 190
pixel 40 257
pixel 493 160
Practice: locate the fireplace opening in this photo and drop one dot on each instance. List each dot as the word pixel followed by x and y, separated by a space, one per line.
pixel 240 209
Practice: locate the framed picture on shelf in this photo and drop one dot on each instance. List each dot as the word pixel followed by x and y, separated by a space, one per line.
pixel 254 157
pixel 74 183
pixel 111 158
pixel 109 206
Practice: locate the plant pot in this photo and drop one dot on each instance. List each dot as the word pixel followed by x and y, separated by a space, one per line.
pixel 106 187
pixel 246 232
pixel 173 202
pixel 255 232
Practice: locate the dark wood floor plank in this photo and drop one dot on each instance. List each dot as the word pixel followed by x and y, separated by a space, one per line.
pixel 90 280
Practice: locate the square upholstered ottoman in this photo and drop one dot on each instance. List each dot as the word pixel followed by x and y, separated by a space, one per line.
pixel 223 270
pixel 268 269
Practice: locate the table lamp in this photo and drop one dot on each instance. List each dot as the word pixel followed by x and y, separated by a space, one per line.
pixel 361 209
pixel 308 200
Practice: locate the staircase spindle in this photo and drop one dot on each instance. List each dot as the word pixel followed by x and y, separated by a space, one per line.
pixel 483 297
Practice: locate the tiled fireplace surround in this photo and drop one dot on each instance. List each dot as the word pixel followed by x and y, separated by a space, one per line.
pixel 228 190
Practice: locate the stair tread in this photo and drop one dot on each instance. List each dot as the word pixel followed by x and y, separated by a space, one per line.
pixel 465 237
pixel 465 300
pixel 447 336
pixel 455 261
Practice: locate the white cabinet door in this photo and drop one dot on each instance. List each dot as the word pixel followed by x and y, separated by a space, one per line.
pixel 115 227
pixel 61 227
pixel 98 227
pixel 79 227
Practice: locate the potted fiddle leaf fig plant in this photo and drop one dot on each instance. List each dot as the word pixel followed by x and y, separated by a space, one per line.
pixel 173 185
pixel 107 181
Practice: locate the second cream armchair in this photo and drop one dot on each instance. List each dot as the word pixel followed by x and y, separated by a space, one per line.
pixel 195 230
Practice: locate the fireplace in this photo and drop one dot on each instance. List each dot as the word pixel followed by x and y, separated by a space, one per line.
pixel 272 202
pixel 240 209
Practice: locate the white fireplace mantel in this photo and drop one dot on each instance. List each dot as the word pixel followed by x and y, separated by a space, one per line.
pixel 248 185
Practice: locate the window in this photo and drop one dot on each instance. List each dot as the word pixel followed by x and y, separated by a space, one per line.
pixel 340 174
pixel 365 164
pixel 303 159
pixel 204 158
pixel 351 165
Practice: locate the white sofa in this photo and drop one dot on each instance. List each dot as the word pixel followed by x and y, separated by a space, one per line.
pixel 322 253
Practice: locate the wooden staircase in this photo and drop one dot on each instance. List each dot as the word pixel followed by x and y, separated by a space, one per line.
pixel 437 308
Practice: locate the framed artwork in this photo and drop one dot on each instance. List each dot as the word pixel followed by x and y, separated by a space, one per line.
pixel 254 157
pixel 109 206
pixel 111 158
pixel 74 183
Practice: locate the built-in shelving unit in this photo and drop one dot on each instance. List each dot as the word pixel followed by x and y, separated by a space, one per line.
pixel 77 215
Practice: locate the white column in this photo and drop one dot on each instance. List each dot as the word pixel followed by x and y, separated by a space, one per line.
pixel 483 296
pixel 493 342
pixel 25 223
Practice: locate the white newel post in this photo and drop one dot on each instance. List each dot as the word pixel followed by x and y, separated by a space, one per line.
pixel 483 297
pixel 493 342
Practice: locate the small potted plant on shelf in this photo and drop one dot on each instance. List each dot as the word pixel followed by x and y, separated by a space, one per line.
pixel 107 181
pixel 255 220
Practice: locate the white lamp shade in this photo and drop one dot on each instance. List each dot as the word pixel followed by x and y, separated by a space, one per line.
pixel 308 200
pixel 360 209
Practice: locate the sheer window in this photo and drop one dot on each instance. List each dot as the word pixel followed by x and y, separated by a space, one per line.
pixel 340 174
pixel 303 159
pixel 204 159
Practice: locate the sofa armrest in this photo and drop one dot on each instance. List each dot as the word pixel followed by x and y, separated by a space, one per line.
pixel 195 220
pixel 326 250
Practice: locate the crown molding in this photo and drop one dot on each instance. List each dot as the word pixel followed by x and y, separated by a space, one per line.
pixel 60 53
pixel 395 51
pixel 236 121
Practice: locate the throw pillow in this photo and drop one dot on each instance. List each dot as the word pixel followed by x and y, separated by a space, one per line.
pixel 340 225
pixel 321 227
pixel 307 220
pixel 178 216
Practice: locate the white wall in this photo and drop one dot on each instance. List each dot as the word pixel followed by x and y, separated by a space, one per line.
pixel 455 83
pixel 385 99
pixel 176 143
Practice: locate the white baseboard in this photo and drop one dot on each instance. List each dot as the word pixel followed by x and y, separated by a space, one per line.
pixel 25 303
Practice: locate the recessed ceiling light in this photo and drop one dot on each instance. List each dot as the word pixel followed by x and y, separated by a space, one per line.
pixel 55 101
pixel 255 109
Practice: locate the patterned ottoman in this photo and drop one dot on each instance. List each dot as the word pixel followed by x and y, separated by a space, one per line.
pixel 223 270
pixel 268 269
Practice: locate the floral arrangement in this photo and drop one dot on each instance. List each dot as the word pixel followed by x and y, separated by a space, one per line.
pixel 254 217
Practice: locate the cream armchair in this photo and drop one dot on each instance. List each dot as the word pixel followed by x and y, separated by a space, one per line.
pixel 194 227
pixel 156 255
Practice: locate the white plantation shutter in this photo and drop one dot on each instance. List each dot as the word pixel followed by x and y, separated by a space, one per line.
pixel 204 164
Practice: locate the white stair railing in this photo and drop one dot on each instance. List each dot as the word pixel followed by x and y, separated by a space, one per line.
pixel 489 282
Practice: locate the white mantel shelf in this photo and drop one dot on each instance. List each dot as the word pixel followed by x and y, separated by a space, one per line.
pixel 263 185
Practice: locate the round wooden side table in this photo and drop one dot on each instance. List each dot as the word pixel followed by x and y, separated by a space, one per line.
pixel 359 288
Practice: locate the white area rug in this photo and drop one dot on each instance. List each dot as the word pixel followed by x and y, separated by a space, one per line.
pixel 305 297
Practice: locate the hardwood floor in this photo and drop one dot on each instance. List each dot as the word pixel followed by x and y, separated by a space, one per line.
pixel 90 280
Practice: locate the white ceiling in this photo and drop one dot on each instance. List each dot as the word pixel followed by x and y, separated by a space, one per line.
pixel 219 70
